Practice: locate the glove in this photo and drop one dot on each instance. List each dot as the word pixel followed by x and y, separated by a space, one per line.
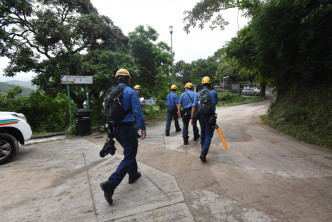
pixel 108 148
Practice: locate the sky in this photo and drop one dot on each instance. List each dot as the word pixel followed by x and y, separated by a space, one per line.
pixel 160 14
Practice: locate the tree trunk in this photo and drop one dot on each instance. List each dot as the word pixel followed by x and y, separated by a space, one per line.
pixel 78 102
pixel 263 88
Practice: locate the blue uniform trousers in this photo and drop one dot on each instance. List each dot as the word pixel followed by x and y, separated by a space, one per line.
pixel 186 125
pixel 206 133
pixel 171 115
pixel 126 136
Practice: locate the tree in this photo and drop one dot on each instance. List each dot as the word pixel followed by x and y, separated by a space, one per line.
pixel 51 38
pixel 242 51
pixel 294 42
pixel 204 67
pixel 229 66
pixel 207 10
pixel 182 71
pixel 150 58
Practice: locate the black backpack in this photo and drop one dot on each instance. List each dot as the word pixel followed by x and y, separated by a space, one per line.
pixel 205 106
pixel 113 104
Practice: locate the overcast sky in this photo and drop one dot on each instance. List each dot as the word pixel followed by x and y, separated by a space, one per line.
pixel 160 14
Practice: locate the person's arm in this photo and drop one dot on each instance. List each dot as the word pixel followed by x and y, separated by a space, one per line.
pixel 136 107
pixel 179 107
pixel 193 108
pixel 143 134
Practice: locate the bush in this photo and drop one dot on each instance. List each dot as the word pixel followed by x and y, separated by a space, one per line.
pixel 234 99
pixel 305 114
pixel 43 113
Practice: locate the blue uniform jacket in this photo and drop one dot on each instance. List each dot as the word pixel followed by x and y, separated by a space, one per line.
pixel 131 101
pixel 172 99
pixel 187 99
pixel 213 95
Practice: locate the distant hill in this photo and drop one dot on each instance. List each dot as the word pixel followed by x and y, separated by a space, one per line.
pixel 26 84
pixel 5 87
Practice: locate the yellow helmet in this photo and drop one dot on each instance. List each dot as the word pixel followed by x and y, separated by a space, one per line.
pixel 122 72
pixel 173 87
pixel 137 87
pixel 189 85
pixel 206 79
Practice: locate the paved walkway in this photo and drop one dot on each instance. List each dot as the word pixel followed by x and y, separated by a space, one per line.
pixel 263 176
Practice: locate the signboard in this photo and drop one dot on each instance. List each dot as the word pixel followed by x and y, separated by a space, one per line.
pixel 76 79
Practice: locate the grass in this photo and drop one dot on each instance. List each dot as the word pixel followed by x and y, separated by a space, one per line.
pixel 229 99
pixel 154 113
pixel 305 115
pixel 302 131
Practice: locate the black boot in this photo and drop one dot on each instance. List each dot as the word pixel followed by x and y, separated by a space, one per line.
pixel 108 187
pixel 167 133
pixel 178 130
pixel 133 178
pixel 203 157
pixel 196 137
pixel 185 140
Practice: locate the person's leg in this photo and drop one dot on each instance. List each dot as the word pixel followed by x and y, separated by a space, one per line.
pixel 129 142
pixel 176 121
pixel 203 123
pixel 126 137
pixel 196 131
pixel 208 138
pixel 168 122
pixel 185 131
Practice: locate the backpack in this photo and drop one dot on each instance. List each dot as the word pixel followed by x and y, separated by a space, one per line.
pixel 205 106
pixel 113 105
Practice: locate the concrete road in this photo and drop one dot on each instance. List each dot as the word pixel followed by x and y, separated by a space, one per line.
pixel 263 176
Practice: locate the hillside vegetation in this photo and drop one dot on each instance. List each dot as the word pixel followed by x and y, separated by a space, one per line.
pixel 5 88
pixel 305 114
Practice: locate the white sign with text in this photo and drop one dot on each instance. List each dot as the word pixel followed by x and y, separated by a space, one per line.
pixel 76 79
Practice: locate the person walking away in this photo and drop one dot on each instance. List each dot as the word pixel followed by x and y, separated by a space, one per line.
pixel 138 89
pixel 204 103
pixel 125 133
pixel 172 112
pixel 186 101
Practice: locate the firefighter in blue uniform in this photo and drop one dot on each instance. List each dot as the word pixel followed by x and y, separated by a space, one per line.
pixel 125 133
pixel 186 101
pixel 172 112
pixel 206 122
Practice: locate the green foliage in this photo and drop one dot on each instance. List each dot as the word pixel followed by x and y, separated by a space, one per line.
pixel 183 71
pixel 161 90
pixel 226 99
pixel 207 10
pixel 44 113
pixel 202 68
pixel 305 114
pixel 5 88
pixel 230 66
pixel 293 41
pixel 151 59
pixel 102 65
pixel 14 92
pixel 51 38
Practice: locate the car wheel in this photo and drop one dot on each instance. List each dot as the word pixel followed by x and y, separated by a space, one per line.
pixel 8 147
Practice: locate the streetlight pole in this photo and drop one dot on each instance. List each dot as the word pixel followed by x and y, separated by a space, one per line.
pixel 171 31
